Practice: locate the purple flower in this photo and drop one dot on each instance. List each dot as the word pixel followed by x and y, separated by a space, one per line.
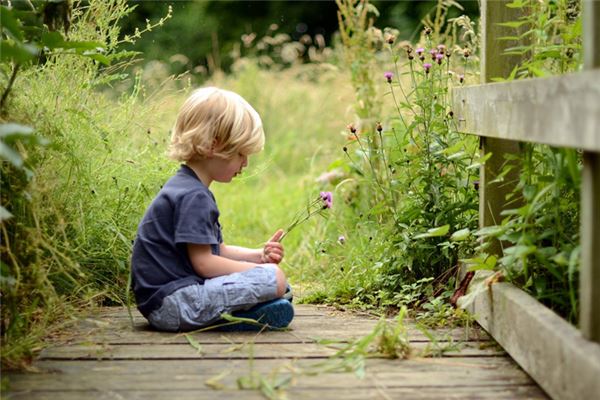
pixel 439 57
pixel 441 48
pixel 420 51
pixel 427 67
pixel 461 78
pixel 388 76
pixel 327 198
pixel 342 239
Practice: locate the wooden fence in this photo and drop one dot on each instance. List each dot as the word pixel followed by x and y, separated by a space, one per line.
pixel 561 111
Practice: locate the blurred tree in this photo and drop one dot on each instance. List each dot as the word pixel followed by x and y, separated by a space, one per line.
pixel 205 31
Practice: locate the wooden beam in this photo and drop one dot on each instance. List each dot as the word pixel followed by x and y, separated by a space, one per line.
pixel 561 111
pixel 496 64
pixel 551 350
pixel 589 272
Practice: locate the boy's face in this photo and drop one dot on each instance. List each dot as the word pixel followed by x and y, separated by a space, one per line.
pixel 224 170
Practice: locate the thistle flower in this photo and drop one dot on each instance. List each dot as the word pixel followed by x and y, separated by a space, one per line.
pixel 441 48
pixel 351 128
pixel 433 53
pixel 389 38
pixel 323 202
pixel 461 78
pixel 379 127
pixel 466 53
pixel 420 51
pixel 342 239
pixel 427 67
pixel 388 76
pixel 428 31
pixel 439 57
pixel 327 198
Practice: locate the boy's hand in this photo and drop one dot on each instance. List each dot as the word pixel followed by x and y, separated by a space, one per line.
pixel 273 250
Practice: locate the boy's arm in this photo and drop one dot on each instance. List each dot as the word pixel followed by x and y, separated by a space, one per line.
pixel 272 252
pixel 208 265
pixel 238 253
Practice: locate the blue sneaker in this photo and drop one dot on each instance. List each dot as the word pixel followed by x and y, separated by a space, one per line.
pixel 288 295
pixel 275 314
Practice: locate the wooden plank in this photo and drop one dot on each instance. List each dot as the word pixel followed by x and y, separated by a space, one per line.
pixel 551 350
pixel 560 111
pixel 155 370
pixel 421 393
pixel 192 374
pixel 495 64
pixel 308 330
pixel 241 351
pixel 589 277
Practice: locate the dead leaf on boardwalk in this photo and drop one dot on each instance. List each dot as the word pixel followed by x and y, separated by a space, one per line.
pixel 194 343
pixel 215 381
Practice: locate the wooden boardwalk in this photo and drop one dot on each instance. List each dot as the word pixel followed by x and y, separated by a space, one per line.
pixel 104 357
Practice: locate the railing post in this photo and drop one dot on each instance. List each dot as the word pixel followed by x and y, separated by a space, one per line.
pixel 589 275
pixel 494 64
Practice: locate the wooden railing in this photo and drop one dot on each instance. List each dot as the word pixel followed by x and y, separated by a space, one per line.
pixel 561 111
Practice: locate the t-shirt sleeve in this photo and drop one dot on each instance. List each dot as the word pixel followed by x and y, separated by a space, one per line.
pixel 196 219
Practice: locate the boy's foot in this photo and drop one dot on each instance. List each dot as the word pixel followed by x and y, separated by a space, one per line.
pixel 275 314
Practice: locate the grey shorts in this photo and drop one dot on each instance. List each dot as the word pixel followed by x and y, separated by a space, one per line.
pixel 196 306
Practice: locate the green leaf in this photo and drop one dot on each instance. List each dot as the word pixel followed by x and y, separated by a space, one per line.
pixel 10 24
pixel 194 343
pixel 11 129
pixel 512 24
pixel 460 235
pixel 17 52
pixel 434 232
pixel 4 214
pixel 10 155
pixel 520 251
pixel 52 40
pixel 101 58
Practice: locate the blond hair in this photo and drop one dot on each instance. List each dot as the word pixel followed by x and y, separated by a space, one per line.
pixel 215 122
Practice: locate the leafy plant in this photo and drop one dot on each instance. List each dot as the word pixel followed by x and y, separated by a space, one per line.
pixel 540 235
pixel 412 174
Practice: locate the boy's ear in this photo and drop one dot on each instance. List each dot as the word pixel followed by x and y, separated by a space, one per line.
pixel 213 147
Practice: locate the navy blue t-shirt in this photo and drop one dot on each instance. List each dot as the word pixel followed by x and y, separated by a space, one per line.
pixel 184 211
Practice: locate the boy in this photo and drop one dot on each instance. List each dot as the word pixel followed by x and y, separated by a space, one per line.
pixel 184 276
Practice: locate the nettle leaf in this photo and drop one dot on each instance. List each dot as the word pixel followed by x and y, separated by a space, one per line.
pixel 520 251
pixel 9 154
pixel 460 235
pixel 4 214
pixel 17 52
pixel 11 130
pixel 10 24
pixel 434 232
